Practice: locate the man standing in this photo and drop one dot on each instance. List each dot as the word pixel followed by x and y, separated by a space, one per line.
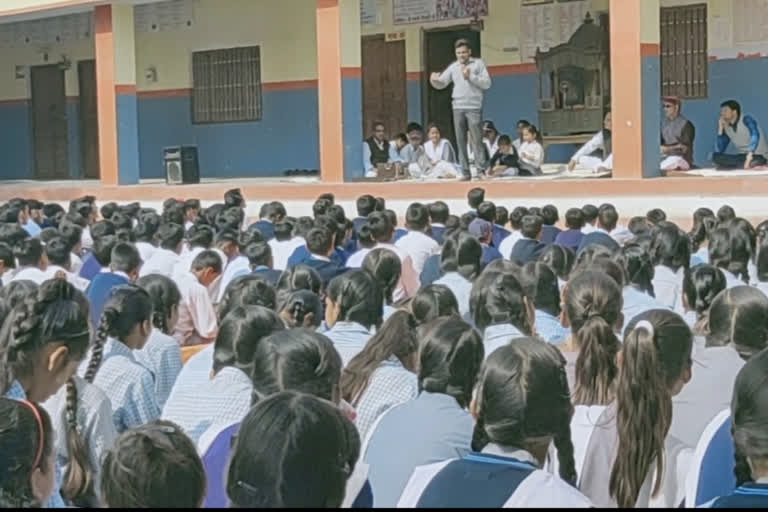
pixel 470 79
pixel 677 135
pixel 744 134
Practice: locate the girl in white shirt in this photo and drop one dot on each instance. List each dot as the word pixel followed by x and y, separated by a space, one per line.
pixel 671 254
pixel 531 152
pixel 701 285
pixel 440 157
pixel 601 141
pixel 730 250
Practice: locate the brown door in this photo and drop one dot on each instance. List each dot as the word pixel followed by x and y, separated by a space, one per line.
pixel 439 53
pixel 89 120
pixel 49 123
pixel 385 94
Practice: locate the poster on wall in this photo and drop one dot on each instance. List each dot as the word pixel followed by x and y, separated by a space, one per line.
pixel 47 31
pixel 750 21
pixel 369 12
pixel 545 24
pixel 168 16
pixel 426 11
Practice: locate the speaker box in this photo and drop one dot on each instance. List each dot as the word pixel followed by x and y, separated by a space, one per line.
pixel 181 165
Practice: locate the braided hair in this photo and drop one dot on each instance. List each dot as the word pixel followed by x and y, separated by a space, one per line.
pixel 298 308
pixel 165 297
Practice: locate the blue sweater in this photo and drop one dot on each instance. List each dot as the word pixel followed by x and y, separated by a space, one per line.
pixel 100 290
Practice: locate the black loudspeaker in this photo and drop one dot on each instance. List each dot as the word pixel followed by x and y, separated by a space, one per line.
pixel 181 165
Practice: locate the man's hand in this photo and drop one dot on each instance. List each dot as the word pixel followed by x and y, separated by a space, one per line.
pixel 435 77
pixel 571 165
pixel 466 71
pixel 721 126
pixel 748 161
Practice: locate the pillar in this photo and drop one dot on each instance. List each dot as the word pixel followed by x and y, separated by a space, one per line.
pixel 329 91
pixel 352 88
pixel 116 91
pixel 635 88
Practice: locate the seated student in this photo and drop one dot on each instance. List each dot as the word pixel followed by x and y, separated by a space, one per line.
pixel 226 396
pixel 123 269
pixel 234 198
pixel 671 255
pixel 500 309
pixel 98 258
pixel 378 151
pixel 560 259
pixel 198 239
pixel 601 142
pixel 704 223
pixel 590 212
pixel 162 354
pixel 729 250
pixel 366 205
pixel 638 290
pixel 232 243
pixel 515 235
pixel 353 311
pixel 440 158
pixel 284 429
pixel 505 161
pixel 500 230
pixel 86 209
pixel 259 256
pixel 701 285
pixel 32 261
pixel 475 198
pixel 154 466
pixel 287 239
pixel 7 263
pixel 607 219
pixel 413 154
pixel 191 212
pixel 59 254
pixel 531 152
pixel 461 263
pixel 434 426
pixel 145 232
pixel 529 248
pixel 549 230
pixel 338 256
pixel 483 231
pixel 124 328
pixel 521 124
pixel 541 286
pixel 417 244
pixel 571 238
pixel 487 211
pixel 737 330
pixel 438 216
pixel 382 374
pixel 27 478
pixel 197 318
pixel 73 234
pixel 165 257
pixel 631 459
pixel 749 416
pixel 743 133
pixel 490 141
pixel 320 246
pixel 521 407
pixel 399 232
pixel 269 215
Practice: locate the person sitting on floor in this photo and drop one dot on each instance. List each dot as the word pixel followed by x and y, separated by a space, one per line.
pixel 744 134
pixel 260 260
pixel 531 152
pixel 505 161
pixel 602 142
pixel 677 136
pixel 413 153
pixel 521 125
pixel 529 247
pixel 440 161
pixel 377 151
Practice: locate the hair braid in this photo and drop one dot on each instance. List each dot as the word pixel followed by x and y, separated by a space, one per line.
pixel 78 481
pixel 160 319
pixel 97 351
pixel 480 437
pixel 565 458
pixel 741 467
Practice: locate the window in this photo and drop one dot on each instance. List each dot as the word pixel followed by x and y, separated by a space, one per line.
pixel 226 85
pixel 684 55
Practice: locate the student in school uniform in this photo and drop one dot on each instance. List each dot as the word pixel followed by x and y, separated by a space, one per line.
pixel 162 354
pixel 320 247
pixel 730 250
pixel 226 397
pixel 529 247
pixel 515 235
pixel 606 221
pixel 483 231
pixel 500 231
pixel 197 317
pixel 103 240
pixel 750 419
pixel 737 331
pixel 232 244
pixel 550 217
pixel 460 262
pixel 191 210
pixel 671 257
pixel 59 255
pixel 165 258
pixel 487 211
pixel 145 232
pixel 353 310
pixel 32 261
pixel 541 286
pixel 571 238
pixel 123 269
pixel 259 256
pixel 631 460
pixel 285 242
pixel 269 215
pixel 521 407
pixel 72 233
pixel 701 285
pixel 638 291
pixel 561 260
pixel 199 238
pixel 125 326
pixel 417 244
pixel 154 466
pixel 53 353
pixel 436 425
pixel 438 216
pixel 531 152
pixel 505 161
pixel 385 268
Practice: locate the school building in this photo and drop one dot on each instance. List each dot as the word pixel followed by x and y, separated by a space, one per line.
pixel 93 89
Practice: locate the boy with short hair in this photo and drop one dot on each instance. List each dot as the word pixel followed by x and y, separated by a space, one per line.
pixel 197 317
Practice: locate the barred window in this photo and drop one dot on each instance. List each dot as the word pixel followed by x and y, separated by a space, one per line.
pixel 226 85
pixel 684 52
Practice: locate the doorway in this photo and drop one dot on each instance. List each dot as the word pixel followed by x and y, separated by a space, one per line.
pixel 439 53
pixel 49 122
pixel 89 119
pixel 385 94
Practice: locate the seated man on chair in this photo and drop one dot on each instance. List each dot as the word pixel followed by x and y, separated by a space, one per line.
pixel 378 152
pixel 744 134
pixel 677 136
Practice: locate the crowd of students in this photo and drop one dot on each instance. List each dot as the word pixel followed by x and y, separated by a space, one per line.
pixel 490 359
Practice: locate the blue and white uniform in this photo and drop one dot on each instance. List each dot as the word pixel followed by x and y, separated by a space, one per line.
pixel 751 495
pixel 162 357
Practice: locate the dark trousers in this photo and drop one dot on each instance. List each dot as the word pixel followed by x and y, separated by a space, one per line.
pixel 729 162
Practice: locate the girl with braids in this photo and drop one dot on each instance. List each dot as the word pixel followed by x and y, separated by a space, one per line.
pixel 433 302
pixel 27 469
pixel 162 354
pixel 41 344
pixel 749 417
pixel 382 375
pixel 153 466
pixel 434 426
pixel 125 326
pixel 501 310
pixel 300 277
pixel 701 285
pixel 302 309
pixel 353 310
pixel 385 267
pixel 521 406
pixel 632 461
pixel 226 395
pixel 738 329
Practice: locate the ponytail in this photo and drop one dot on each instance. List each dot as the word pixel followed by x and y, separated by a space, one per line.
pixel 596 368
pixel 77 486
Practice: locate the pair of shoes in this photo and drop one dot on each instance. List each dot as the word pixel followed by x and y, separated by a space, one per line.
pixel 465 177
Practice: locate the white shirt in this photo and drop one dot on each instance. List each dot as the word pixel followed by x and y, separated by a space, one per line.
pixel 78 282
pixel 590 147
pixel 668 287
pixel 582 425
pixel 145 250
pixel 535 151
pixel 197 317
pixel 506 245
pixel 622 235
pixel 185 262
pixel 731 280
pixel 75 262
pixel 588 228
pixel 409 282
pixel 461 288
pixel 162 262
pixel 33 274
pixel 356 260
pixel 235 268
pixel 420 247
pixel 86 240
pixel 281 251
